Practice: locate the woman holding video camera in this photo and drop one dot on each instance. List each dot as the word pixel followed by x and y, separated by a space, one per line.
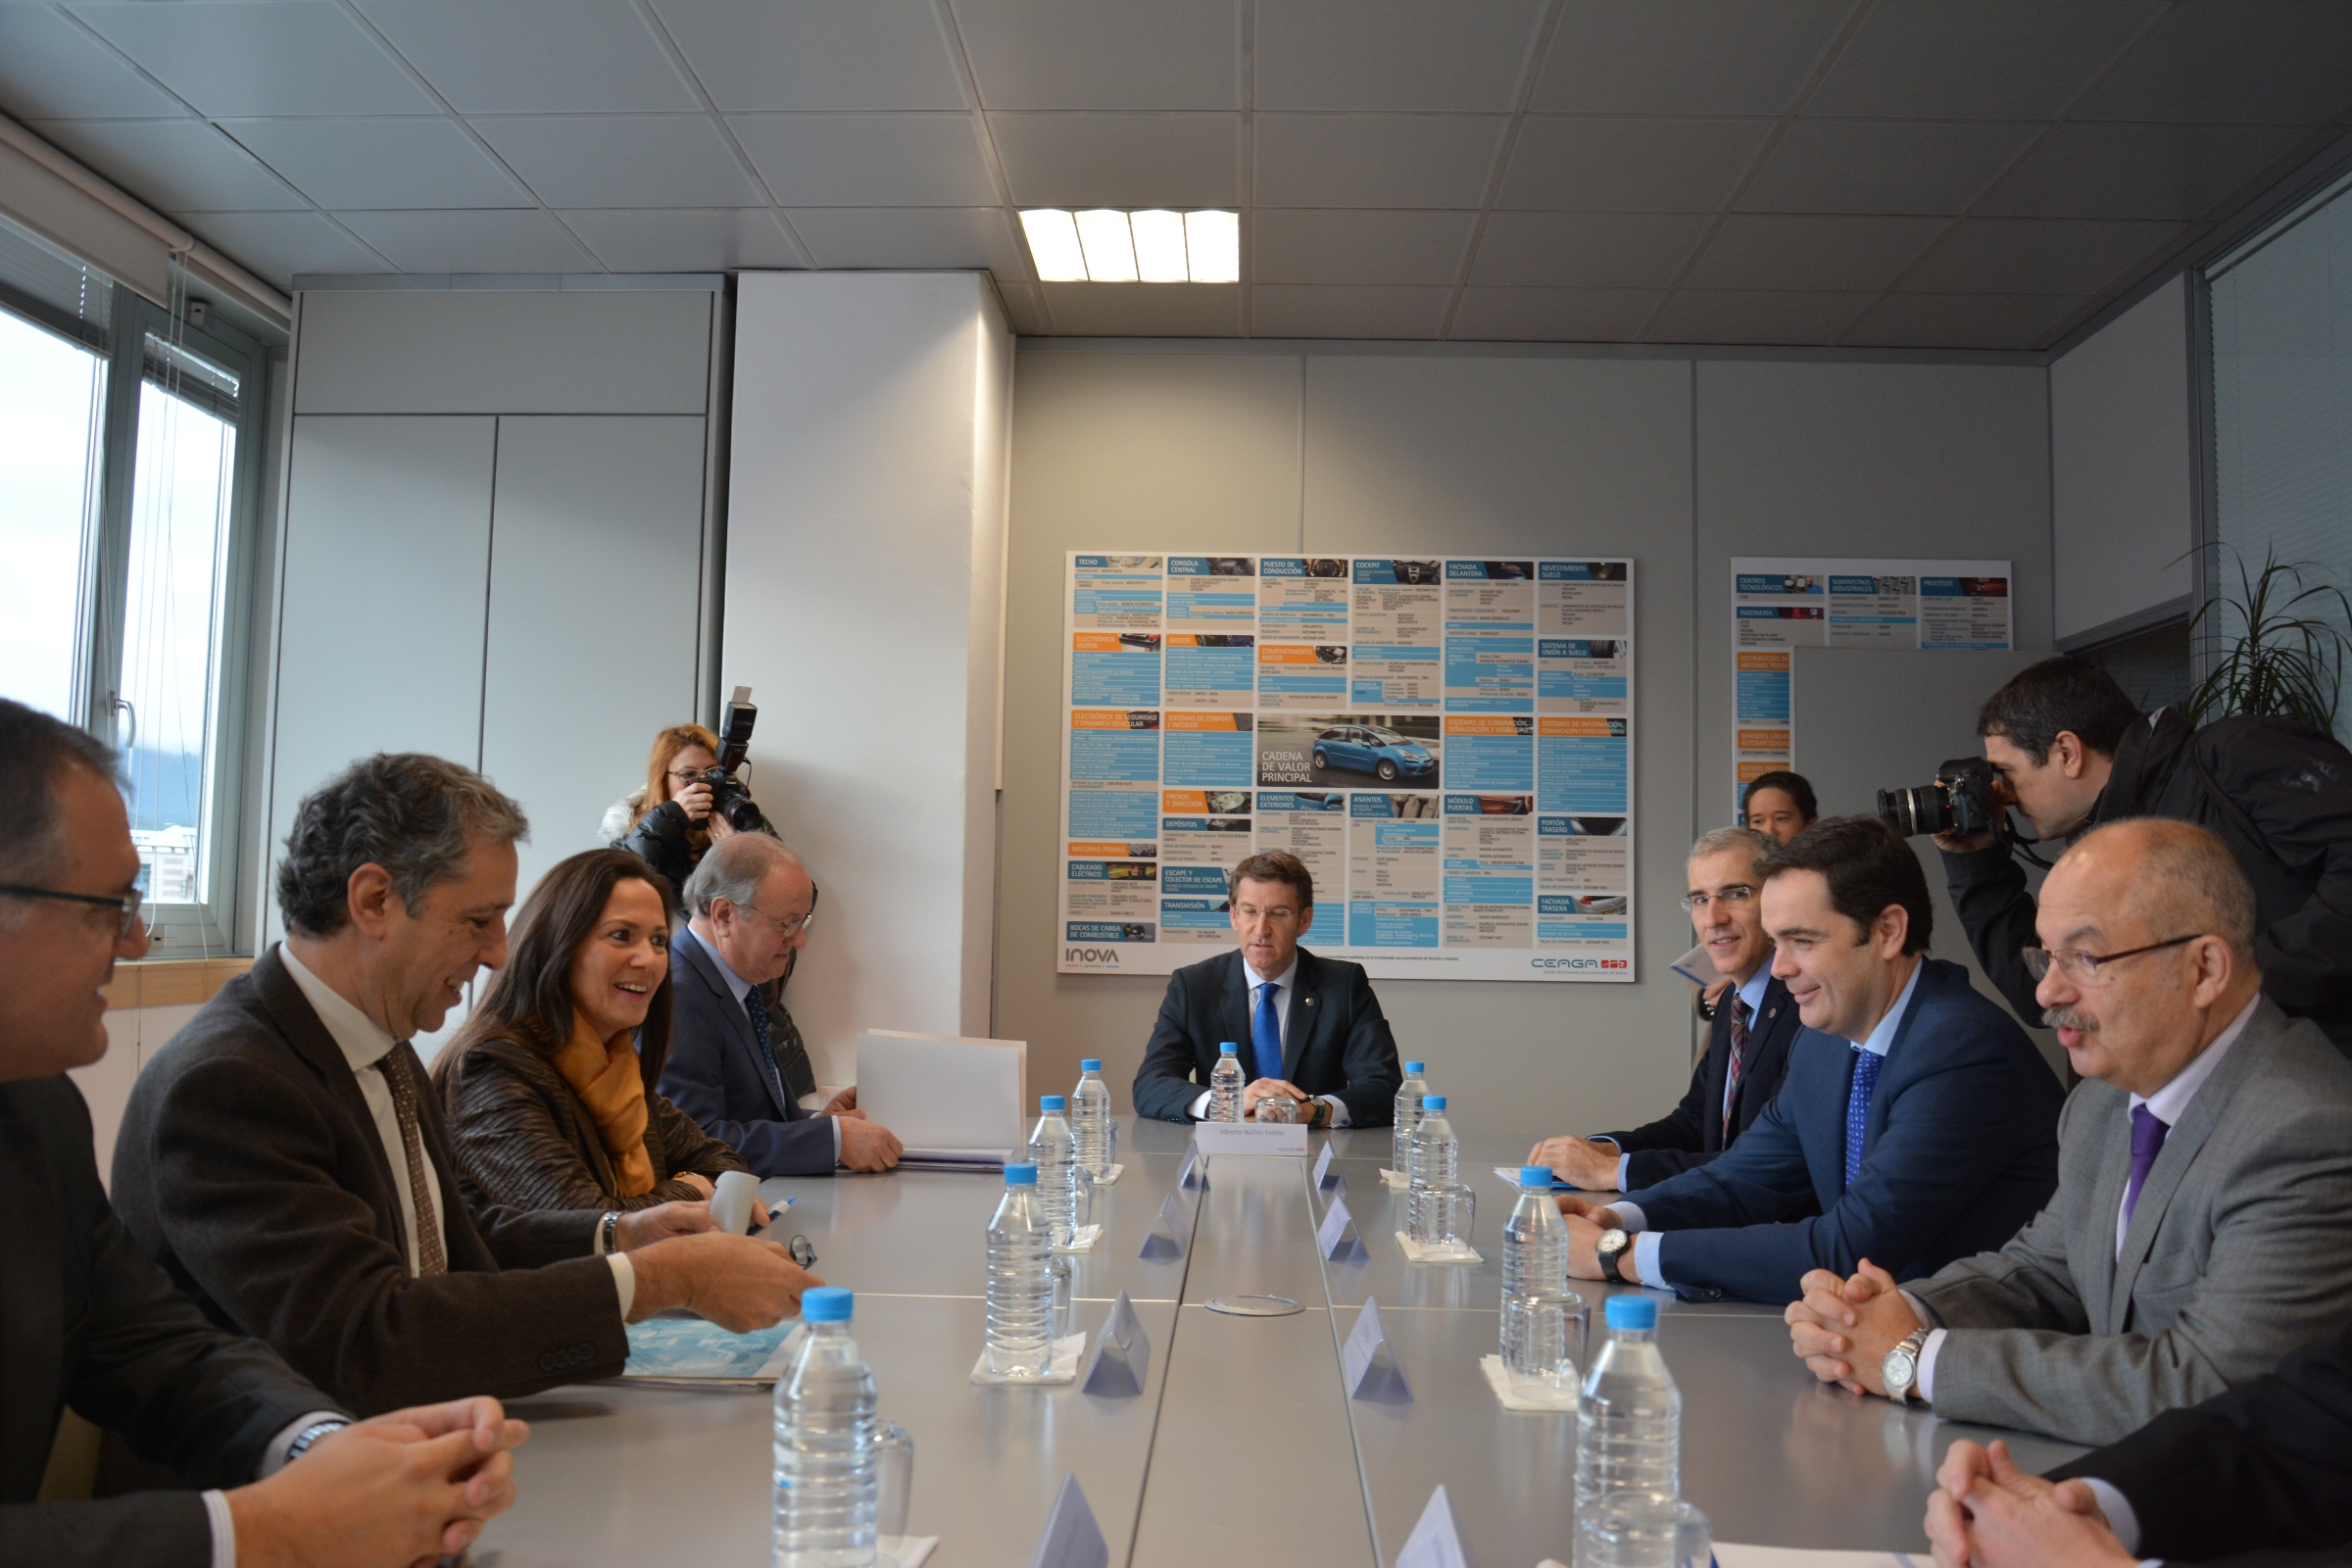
pixel 669 822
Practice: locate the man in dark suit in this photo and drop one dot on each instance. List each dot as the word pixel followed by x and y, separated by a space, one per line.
pixel 1309 1029
pixel 1748 1049
pixel 1916 1112
pixel 276 1470
pixel 752 902
pixel 283 1161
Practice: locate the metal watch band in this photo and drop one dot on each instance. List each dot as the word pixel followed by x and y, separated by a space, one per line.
pixel 612 1231
pixel 310 1435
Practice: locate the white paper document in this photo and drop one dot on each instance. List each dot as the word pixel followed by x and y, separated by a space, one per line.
pixel 954 1103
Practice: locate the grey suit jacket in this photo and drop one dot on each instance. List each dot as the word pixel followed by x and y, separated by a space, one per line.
pixel 2240 1250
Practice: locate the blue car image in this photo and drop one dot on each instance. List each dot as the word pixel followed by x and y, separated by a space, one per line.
pixel 1383 752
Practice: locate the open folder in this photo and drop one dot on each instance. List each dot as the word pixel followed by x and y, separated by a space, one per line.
pixel 955 1103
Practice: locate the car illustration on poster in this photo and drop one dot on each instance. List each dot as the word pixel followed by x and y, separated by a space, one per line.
pixel 1382 753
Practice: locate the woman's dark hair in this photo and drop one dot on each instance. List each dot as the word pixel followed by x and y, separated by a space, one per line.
pixel 1793 785
pixel 1867 868
pixel 530 999
pixel 2059 694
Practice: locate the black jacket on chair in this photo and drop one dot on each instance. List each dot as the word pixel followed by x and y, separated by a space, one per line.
pixel 1692 1134
pixel 86 1320
pixel 1335 1042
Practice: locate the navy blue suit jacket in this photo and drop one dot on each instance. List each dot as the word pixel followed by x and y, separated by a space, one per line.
pixel 1336 1040
pixel 714 1073
pixel 1959 1151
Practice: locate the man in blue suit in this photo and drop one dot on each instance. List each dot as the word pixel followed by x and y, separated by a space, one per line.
pixel 750 904
pixel 1915 1112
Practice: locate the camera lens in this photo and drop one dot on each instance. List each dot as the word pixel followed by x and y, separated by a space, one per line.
pixel 1923 809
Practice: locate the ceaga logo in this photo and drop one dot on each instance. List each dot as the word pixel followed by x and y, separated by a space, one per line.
pixel 1578 965
pixel 1110 956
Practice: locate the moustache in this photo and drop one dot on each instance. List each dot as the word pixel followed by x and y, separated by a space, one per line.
pixel 2068 1018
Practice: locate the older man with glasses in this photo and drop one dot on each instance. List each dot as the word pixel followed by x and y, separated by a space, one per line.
pixel 752 902
pixel 2205 1172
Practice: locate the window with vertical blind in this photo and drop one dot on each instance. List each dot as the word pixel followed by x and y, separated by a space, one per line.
pixel 130 440
pixel 2282 350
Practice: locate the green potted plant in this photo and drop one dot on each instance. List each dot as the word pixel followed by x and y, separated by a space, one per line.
pixel 2280 652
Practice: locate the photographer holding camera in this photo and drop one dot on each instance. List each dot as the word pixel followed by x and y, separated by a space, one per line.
pixel 692 797
pixel 2069 751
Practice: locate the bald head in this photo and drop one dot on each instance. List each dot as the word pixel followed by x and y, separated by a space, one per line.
pixel 2170 875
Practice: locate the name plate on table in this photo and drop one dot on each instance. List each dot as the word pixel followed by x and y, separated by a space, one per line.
pixel 1323 1176
pixel 1252 1138
pixel 1337 1236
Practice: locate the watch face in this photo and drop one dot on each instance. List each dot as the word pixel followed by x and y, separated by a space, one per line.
pixel 1613 1242
pixel 1900 1369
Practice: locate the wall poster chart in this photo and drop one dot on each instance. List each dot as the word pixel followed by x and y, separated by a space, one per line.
pixel 1783 603
pixel 1445 742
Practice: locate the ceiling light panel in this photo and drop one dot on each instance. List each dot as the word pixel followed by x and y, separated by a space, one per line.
pixel 1213 241
pixel 1108 245
pixel 1159 246
pixel 1054 245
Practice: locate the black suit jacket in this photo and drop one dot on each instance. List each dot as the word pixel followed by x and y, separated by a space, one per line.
pixel 1692 1134
pixel 1335 1043
pixel 249 1166
pixel 86 1320
pixel 2268 1464
pixel 715 1076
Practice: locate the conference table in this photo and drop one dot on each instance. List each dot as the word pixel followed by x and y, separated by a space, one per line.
pixel 1242 1447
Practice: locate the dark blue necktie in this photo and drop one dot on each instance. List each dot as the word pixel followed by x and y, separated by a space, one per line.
pixel 755 1005
pixel 1857 1109
pixel 1265 1034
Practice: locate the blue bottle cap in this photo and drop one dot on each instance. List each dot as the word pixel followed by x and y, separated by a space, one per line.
pixel 1089 1065
pixel 1229 1048
pixel 1538 1176
pixel 827 1303
pixel 1433 1102
pixel 1637 1313
pixel 1414 1066
pixel 1053 1103
pixel 1020 1175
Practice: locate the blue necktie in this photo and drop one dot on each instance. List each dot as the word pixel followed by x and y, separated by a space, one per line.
pixel 756 1007
pixel 1857 1109
pixel 1265 1033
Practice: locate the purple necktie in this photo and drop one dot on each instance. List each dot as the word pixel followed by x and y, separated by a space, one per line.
pixel 2147 1142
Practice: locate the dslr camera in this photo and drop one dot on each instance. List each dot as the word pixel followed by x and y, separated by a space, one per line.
pixel 1963 799
pixel 730 797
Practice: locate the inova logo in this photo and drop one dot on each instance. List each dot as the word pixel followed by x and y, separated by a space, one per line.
pixel 1110 956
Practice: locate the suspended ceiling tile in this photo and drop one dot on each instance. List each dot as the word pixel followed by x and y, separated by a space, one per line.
pixel 1375 160
pixel 1329 246
pixel 1393 54
pixel 409 161
pixel 1085 160
pixel 51 69
pixel 2145 172
pixel 1876 165
pixel 2037 256
pixel 680 239
pixel 279 245
pixel 1587 251
pixel 918 239
pixel 2241 61
pixel 1978 59
pixel 1964 320
pixel 176 164
pixel 1630 166
pixel 622 159
pixel 472 242
pixel 816 54
pixel 1685 57
pixel 1144 310
pixel 1284 310
pixel 524 57
pixel 262 57
pixel 1553 314
pixel 1775 252
pixel 1101 54
pixel 1022 307
pixel 1793 318
pixel 868 160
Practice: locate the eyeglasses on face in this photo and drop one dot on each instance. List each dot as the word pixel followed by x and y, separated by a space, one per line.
pixel 1733 897
pixel 2090 968
pixel 127 904
pixel 783 927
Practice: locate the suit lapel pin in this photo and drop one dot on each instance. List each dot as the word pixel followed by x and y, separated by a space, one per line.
pixel 1310 1002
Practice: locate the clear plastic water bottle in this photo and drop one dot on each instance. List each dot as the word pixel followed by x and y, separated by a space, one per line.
pixel 1225 1085
pixel 827 1466
pixel 1541 1315
pixel 1436 1151
pixel 1629 1425
pixel 1090 1118
pixel 1055 1154
pixel 1408 1118
pixel 1020 1281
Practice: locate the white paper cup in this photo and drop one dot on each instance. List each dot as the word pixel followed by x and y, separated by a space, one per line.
pixel 731 1204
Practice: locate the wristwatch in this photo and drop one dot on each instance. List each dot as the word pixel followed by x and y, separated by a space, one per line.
pixel 1612 1248
pixel 1900 1370
pixel 310 1435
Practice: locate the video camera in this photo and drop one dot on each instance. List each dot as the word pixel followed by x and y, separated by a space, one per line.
pixel 1963 799
pixel 730 797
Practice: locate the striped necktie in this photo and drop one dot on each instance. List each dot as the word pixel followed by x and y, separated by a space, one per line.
pixel 1738 1067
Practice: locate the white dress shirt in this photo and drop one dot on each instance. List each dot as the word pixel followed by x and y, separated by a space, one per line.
pixel 1749 991
pixel 1284 985
pixel 1879 1041
pixel 742 989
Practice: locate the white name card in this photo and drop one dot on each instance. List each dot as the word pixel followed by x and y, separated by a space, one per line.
pixel 1252 1138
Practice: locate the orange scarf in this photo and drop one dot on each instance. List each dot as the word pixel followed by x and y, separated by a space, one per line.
pixel 609 1084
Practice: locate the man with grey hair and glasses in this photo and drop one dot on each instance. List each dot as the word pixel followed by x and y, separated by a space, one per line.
pixel 285 1161
pixel 1747 1047
pixel 750 904
pixel 2198 1232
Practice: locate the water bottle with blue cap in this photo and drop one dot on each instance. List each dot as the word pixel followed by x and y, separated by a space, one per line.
pixel 826 1460
pixel 1090 1119
pixel 1629 1508
pixel 1409 1119
pixel 1020 1281
pixel 1055 1154
pixel 1225 1082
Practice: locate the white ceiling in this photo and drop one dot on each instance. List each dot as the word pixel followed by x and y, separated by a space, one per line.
pixel 1962 174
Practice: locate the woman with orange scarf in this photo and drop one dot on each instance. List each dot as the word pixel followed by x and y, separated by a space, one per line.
pixel 549 1086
